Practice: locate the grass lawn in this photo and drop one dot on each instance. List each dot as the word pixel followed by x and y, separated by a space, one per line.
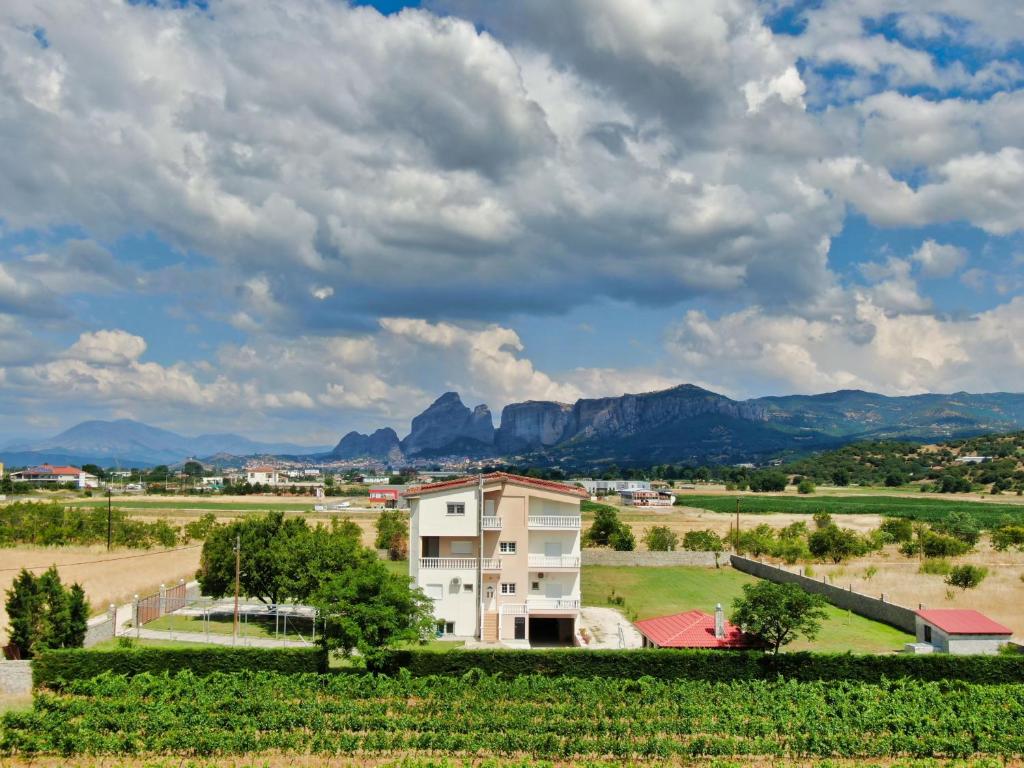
pixel 220 624
pixel 927 508
pixel 650 592
pixel 113 645
pixel 401 567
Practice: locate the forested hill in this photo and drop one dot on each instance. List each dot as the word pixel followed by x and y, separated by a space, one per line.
pixel 941 466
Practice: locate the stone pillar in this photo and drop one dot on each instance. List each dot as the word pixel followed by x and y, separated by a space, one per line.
pixel 163 600
pixel 135 615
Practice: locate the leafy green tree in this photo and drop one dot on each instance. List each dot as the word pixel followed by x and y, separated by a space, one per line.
pixel 622 540
pixel 44 614
pixel 778 613
pixel 94 469
pixel 193 469
pixel 960 525
pixel 1008 536
pixel 661 538
pixel 841 477
pixel 768 481
pixel 932 544
pixel 836 544
pixel 702 541
pixel 199 530
pixel 806 486
pixel 966 576
pixel 896 530
pixel 757 541
pixel 271 547
pixel 606 522
pixel 393 533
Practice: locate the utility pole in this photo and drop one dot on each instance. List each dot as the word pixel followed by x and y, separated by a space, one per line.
pixel 109 493
pixel 736 540
pixel 238 565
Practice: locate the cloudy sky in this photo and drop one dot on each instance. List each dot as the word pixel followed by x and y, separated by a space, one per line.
pixel 292 218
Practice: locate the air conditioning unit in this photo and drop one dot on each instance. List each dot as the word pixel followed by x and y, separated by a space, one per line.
pixel 540 575
pixel 456 582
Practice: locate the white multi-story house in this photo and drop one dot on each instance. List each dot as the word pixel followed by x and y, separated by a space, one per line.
pixel 499 555
pixel 264 475
pixel 46 474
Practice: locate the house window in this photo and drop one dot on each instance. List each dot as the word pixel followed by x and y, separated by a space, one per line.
pixel 507 547
pixel 435 591
pixel 461 548
pixel 457 509
pixel 467 587
pixel 508 588
pixel 445 628
pixel 535 586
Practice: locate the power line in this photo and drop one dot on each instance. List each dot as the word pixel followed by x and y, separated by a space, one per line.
pixel 106 560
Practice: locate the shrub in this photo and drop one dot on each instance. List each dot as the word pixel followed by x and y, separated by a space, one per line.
pixel 896 530
pixel 53 669
pixel 1008 536
pixel 966 576
pixel 936 566
pixel 932 544
pixel 622 540
pixel 670 664
pixel 806 486
pixel 661 538
pixel 702 541
pixel 836 544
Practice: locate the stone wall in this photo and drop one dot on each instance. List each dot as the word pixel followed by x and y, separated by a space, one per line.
pixel 651 559
pixel 15 677
pixel 868 606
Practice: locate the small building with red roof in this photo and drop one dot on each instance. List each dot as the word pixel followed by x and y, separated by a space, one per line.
pixel 695 629
pixel 46 474
pixel 960 631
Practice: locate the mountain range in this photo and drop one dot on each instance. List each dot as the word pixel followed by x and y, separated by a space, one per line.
pixel 132 443
pixel 684 424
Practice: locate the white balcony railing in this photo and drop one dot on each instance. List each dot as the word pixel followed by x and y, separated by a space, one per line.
pixel 552 522
pixel 552 604
pixel 491 523
pixel 554 561
pixel 450 563
pixel 491 563
pixel 514 609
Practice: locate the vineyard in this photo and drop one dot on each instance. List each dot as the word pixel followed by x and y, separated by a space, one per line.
pixel 537 717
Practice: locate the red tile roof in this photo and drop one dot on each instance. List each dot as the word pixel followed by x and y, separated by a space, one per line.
pixel 505 477
pixel 693 629
pixel 956 621
pixel 46 469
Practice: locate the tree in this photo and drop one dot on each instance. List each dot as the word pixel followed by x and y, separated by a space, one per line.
pixel 661 538
pixel 606 522
pixel 199 530
pixel 622 540
pixel 778 613
pixel 836 543
pixel 897 529
pixel 702 541
pixel 960 525
pixel 366 608
pixel 94 469
pixel 393 533
pixel 966 576
pixel 43 613
pixel 805 486
pixel 193 469
pixel 841 477
pixel 271 551
pixel 932 544
pixel 768 480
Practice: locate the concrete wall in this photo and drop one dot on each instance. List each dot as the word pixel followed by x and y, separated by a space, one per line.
pixel 651 559
pixel 100 628
pixel 15 677
pixel 865 605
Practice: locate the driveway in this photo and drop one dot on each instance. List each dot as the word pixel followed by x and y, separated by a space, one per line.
pixel 603 625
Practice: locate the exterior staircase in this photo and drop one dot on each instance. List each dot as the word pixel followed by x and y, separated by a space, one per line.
pixel 490 627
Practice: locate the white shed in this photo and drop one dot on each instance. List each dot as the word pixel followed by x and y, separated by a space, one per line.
pixel 960 631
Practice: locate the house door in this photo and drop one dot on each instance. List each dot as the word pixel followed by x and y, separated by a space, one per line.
pixel 520 628
pixel 431 547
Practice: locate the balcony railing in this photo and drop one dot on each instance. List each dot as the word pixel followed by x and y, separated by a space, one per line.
pixel 514 609
pixel 554 561
pixel 491 563
pixel 553 522
pixel 451 563
pixel 552 604
pixel 491 523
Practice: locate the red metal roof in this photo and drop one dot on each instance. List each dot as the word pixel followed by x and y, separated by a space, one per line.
pixel 957 621
pixel 547 485
pixel 693 629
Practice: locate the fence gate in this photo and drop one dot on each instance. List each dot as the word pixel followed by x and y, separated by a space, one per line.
pixel 175 598
pixel 149 609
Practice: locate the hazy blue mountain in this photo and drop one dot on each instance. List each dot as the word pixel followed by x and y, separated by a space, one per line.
pixel 133 443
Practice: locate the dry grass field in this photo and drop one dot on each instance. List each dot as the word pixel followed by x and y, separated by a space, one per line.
pixel 107 577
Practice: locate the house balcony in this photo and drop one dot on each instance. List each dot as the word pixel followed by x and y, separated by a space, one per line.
pixel 553 562
pixel 541 605
pixel 554 522
pixel 449 563
pixel 491 563
pixel 491 523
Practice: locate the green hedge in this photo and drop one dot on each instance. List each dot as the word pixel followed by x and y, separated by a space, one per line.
pixel 52 668
pixel 668 664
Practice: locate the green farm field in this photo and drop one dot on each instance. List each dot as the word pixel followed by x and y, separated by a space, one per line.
pixel 650 592
pixel 926 509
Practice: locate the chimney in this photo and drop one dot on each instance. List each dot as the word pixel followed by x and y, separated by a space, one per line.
pixel 719 622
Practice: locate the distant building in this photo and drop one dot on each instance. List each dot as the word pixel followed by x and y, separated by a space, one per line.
pixel 45 474
pixel 594 487
pixel 375 479
pixel 264 475
pixel 388 496
pixel 211 482
pixel 694 629
pixel 641 498
pixel 960 631
pixel 972 459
